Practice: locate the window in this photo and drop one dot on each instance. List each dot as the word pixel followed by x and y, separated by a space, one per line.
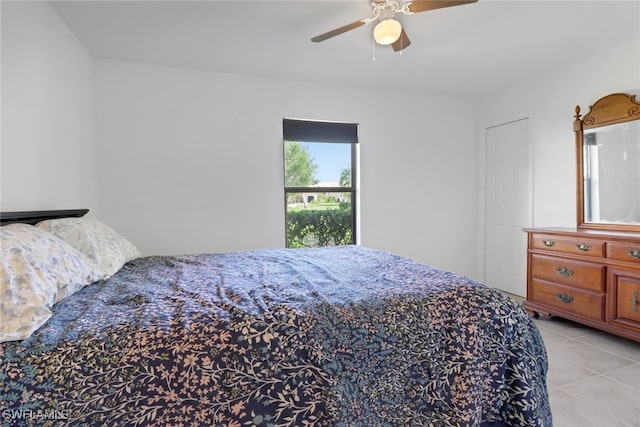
pixel 320 160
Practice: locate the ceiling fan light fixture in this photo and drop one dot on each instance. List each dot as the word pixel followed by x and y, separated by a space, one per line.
pixel 387 31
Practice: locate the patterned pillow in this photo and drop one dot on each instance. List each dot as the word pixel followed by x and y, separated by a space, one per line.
pixel 37 269
pixel 107 249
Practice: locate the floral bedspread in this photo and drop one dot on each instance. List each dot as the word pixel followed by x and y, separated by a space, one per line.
pixel 343 336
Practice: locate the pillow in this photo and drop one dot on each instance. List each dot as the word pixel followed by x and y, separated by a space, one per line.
pixel 37 269
pixel 107 249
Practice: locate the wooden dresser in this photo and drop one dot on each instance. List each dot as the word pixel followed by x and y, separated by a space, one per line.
pixel 589 276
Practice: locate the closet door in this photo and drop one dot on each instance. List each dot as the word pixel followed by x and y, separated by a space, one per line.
pixel 508 206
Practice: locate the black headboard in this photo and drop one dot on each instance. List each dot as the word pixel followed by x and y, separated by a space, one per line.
pixel 34 217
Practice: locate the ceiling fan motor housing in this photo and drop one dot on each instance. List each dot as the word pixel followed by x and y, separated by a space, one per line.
pixel 385 10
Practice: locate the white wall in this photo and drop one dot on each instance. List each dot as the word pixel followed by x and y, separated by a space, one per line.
pixel 191 161
pixel 47 148
pixel 550 101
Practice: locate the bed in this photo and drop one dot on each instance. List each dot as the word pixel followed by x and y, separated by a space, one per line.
pixel 340 336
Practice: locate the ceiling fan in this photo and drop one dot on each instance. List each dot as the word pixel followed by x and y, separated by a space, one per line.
pixel 389 30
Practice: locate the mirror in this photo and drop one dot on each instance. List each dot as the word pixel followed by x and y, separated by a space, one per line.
pixel 608 154
pixel 612 174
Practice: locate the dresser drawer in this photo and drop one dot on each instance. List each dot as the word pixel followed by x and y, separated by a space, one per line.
pixel 569 272
pixel 622 251
pixel 568 299
pixel 569 245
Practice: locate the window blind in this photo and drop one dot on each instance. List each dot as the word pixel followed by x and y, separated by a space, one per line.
pixel 312 131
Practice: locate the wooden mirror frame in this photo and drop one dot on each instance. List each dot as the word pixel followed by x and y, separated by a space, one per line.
pixel 609 110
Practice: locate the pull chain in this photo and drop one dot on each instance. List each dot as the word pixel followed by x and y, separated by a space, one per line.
pixel 373 50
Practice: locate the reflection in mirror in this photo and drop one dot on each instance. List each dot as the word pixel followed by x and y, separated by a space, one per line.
pixel 611 174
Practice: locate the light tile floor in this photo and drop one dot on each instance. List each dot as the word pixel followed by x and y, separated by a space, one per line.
pixel 594 377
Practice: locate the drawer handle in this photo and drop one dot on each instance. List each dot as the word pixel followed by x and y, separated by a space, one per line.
pixel 584 248
pixel 549 243
pixel 567 299
pixel 634 302
pixel 564 271
pixel 634 253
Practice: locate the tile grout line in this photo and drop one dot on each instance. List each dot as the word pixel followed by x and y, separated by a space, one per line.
pixel 581 337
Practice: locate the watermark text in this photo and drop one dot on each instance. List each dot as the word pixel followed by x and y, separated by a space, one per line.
pixel 22 414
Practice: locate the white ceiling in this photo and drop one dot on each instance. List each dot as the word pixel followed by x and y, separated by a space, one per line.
pixel 465 50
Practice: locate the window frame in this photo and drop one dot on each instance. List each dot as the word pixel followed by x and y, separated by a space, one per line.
pixel 317 137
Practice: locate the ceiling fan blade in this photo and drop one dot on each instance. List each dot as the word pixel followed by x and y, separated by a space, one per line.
pixel 402 42
pixel 338 31
pixel 424 5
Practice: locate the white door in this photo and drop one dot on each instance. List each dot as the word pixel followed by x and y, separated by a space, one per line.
pixel 508 206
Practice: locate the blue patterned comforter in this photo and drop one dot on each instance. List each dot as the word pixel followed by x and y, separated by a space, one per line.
pixel 343 336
